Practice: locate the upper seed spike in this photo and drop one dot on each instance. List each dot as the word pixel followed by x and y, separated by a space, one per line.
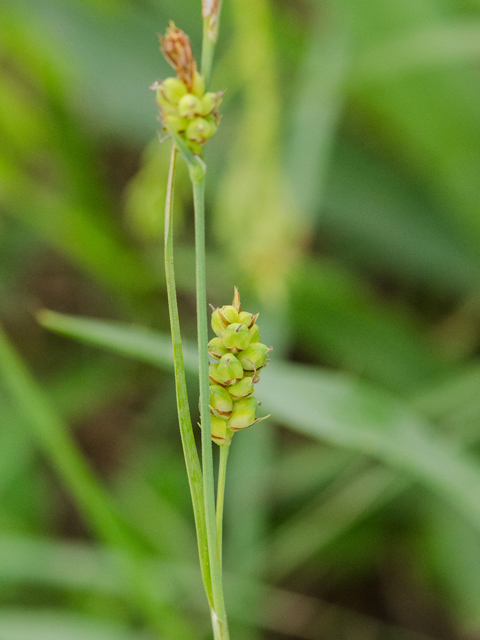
pixel 234 376
pixel 177 51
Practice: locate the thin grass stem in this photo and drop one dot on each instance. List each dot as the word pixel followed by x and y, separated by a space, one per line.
pixel 222 473
pixel 219 616
pixel 208 49
pixel 192 461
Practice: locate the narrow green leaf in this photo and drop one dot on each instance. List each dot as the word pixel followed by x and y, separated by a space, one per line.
pixel 319 98
pixel 133 342
pixel 346 412
pixel 99 510
pixel 54 438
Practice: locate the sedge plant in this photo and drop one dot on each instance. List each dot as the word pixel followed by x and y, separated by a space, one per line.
pixel 189 116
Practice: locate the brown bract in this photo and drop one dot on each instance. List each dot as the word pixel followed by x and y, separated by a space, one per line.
pixel 176 49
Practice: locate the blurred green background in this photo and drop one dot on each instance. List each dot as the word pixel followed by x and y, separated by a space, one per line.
pixel 344 200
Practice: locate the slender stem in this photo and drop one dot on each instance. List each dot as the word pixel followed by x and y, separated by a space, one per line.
pixel 218 612
pixel 192 461
pixel 210 33
pixel 222 473
pixel 208 49
pixel 219 616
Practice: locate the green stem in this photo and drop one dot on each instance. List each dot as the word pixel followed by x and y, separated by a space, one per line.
pixel 208 49
pixel 210 33
pixel 192 462
pixel 219 616
pixel 218 612
pixel 222 473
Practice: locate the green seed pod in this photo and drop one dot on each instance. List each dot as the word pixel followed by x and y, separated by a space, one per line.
pixel 243 414
pixel 213 125
pixel 198 85
pixel 194 147
pixel 254 333
pixel 176 123
pixel 236 374
pixel 199 130
pixel 221 434
pixel 241 389
pixel 173 89
pixel 236 336
pixel 246 318
pixel 209 104
pixel 216 348
pixel 221 403
pixel 168 108
pixel 189 106
pixel 254 356
pixel 229 313
pixel 219 323
pixel 213 375
pixel 229 370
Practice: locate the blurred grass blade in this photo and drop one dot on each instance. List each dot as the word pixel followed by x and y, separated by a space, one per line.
pixel 419 50
pixel 319 102
pixel 451 550
pixel 349 413
pixel 133 342
pixel 343 323
pixel 35 561
pixel 94 502
pixel 53 437
pixel 16 451
pixel 381 222
pixel 340 410
pixel 318 525
pixel 450 394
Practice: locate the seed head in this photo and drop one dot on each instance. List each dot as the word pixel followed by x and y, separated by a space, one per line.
pixel 177 51
pixel 236 337
pixel 229 370
pixel 221 402
pixel 254 356
pixel 216 348
pixel 221 434
pixel 241 389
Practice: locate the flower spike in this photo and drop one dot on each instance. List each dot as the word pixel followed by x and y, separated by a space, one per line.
pixel 239 357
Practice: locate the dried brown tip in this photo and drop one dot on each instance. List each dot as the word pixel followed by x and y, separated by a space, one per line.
pixel 177 51
pixel 236 300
